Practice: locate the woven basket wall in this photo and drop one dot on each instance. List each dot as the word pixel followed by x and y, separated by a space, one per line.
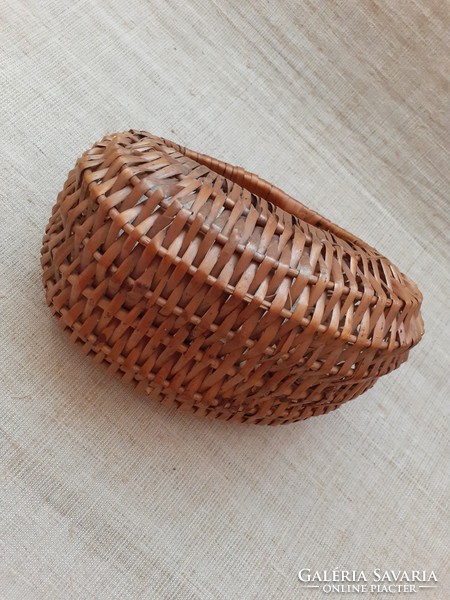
pixel 216 292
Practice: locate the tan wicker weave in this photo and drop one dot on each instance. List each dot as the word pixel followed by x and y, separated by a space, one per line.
pixel 214 291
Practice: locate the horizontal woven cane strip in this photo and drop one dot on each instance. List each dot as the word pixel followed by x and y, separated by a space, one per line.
pixel 214 291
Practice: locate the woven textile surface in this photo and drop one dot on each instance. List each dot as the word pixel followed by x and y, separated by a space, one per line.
pixel 106 494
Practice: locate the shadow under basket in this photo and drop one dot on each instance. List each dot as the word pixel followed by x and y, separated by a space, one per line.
pixel 214 291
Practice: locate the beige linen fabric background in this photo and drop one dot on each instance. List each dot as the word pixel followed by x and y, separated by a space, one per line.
pixel 106 494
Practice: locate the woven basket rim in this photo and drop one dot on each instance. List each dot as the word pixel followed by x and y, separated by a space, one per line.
pixel 270 192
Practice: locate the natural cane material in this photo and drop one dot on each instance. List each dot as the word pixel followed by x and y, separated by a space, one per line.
pixel 216 292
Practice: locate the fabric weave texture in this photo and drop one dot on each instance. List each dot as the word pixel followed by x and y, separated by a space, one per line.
pixel 107 495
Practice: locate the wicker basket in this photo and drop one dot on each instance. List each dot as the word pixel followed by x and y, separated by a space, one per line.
pixel 216 292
